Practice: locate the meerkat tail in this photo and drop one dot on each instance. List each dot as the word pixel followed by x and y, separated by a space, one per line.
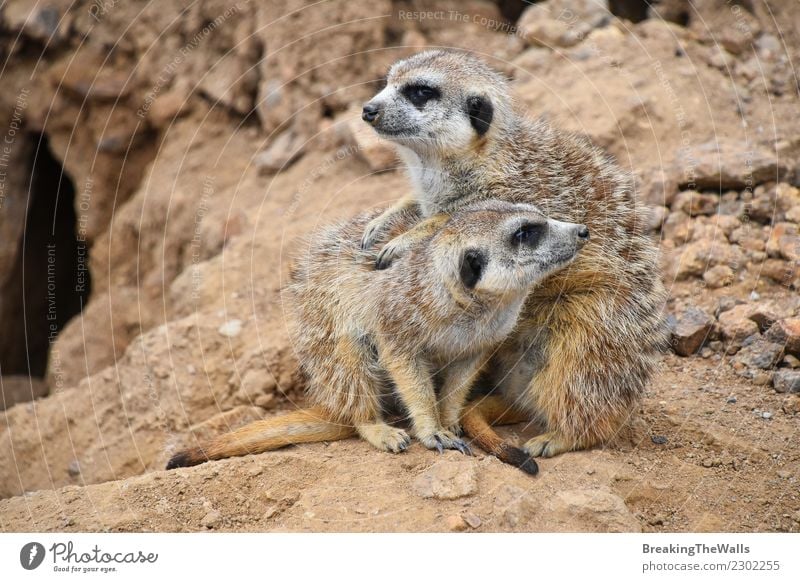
pixel 310 425
pixel 475 422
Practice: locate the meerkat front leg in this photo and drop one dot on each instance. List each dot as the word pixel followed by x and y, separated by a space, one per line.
pixel 414 384
pixel 377 224
pixel 399 245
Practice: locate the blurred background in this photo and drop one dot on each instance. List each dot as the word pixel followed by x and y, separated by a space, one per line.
pixel 159 161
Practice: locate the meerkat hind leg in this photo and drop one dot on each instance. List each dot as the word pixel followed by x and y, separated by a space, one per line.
pixel 384 437
pixel 548 444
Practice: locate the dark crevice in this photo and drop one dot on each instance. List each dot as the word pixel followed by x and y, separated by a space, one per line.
pixel 50 281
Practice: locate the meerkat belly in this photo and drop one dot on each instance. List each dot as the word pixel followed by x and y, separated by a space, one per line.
pixel 516 362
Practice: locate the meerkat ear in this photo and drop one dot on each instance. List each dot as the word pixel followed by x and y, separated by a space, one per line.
pixel 480 111
pixel 472 265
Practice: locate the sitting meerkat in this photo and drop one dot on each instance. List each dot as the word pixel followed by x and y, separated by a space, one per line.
pixel 364 336
pixel 588 337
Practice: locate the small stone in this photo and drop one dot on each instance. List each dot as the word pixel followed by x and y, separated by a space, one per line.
pixel 211 519
pixel 766 415
pixel 281 153
pixel 731 400
pixel 791 405
pixel 718 276
pixel 255 471
pixel 447 480
pixel 784 242
pixel 657 520
pixel 694 203
pixel 791 361
pixel 659 440
pixel 784 474
pixel 786 332
pixel 455 523
pixel 231 328
pixel 690 331
pixel 74 468
pixel 758 353
pixel 472 520
pixel 786 381
pixel 736 325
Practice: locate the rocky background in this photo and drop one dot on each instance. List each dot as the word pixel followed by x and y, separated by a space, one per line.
pixel 159 162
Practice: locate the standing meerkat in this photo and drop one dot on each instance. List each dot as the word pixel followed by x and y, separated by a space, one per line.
pixel 588 337
pixel 365 336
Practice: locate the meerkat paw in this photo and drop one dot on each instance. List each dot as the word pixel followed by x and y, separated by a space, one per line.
pixel 372 231
pixel 444 439
pixel 384 437
pixel 455 428
pixel 548 444
pixel 391 251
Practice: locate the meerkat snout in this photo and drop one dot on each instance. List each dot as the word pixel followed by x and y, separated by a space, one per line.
pixel 371 112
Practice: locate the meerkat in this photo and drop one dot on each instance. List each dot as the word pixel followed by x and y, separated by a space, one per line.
pixel 365 336
pixel 588 337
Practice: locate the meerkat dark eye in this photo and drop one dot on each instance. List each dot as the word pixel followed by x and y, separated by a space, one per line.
pixel 419 95
pixel 528 234
pixel 472 266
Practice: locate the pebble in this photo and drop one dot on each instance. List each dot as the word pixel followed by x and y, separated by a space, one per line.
pixel 74 468
pixel 455 523
pixel 211 519
pixel 447 480
pixel 766 415
pixel 731 400
pixel 783 474
pixel 659 440
pixel 472 520
pixel 231 328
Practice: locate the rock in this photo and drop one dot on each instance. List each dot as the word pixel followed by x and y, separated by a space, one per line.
pixel 723 164
pixel 718 276
pixel 231 328
pixel 787 333
pixel 766 415
pixel 658 188
pixel 691 330
pixel 786 381
pixel 758 353
pixel 455 523
pixel 784 242
pixel 472 520
pixel 561 23
pixel 784 474
pixel 447 480
pixel 697 257
pixel 74 468
pixel 780 203
pixel 284 150
pixel 791 405
pixel 791 361
pixel 595 510
pixel 736 326
pixel 780 272
pixel 211 519
pixel 694 203
pixel 379 154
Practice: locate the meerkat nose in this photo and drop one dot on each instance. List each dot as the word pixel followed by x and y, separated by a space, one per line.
pixel 370 112
pixel 583 233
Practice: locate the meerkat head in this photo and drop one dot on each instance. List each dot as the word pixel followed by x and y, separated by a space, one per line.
pixel 497 249
pixel 439 101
